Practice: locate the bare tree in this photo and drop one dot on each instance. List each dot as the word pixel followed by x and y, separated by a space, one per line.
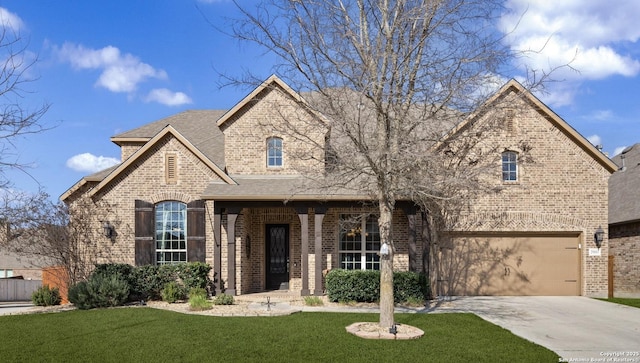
pixel 58 234
pixel 391 77
pixel 16 120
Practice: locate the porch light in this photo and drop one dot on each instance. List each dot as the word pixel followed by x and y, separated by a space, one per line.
pixel 108 230
pixel 598 237
pixel 384 250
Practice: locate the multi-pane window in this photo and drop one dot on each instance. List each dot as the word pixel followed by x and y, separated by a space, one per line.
pixel 171 229
pixel 274 152
pixel 359 242
pixel 509 166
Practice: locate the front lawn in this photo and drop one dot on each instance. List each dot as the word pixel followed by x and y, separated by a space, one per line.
pixel 146 335
pixel 624 301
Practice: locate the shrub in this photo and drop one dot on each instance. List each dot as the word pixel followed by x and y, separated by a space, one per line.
pixel 353 285
pixel 313 301
pixel 197 291
pixel 199 302
pixel 173 292
pixel 223 299
pixel 46 296
pixel 409 286
pixel 194 274
pixel 99 291
pixel 148 281
pixel 364 286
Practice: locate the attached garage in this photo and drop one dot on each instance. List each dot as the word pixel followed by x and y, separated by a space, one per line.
pixel 511 265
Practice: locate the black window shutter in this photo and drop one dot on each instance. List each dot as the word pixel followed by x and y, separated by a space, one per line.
pixel 196 231
pixel 144 229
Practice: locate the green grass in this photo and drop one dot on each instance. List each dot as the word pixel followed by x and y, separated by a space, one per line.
pixel 624 301
pixel 146 335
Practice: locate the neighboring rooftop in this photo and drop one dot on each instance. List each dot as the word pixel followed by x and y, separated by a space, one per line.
pixel 624 187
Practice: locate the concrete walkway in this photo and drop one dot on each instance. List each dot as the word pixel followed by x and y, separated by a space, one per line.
pixel 576 328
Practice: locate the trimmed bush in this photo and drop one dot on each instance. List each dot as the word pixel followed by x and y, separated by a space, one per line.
pixel 223 299
pixel 99 291
pixel 353 285
pixel 364 286
pixel 194 274
pixel 173 292
pixel 147 282
pixel 46 296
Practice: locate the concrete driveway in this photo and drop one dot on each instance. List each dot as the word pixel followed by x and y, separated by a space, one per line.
pixel 576 328
pixel 13 307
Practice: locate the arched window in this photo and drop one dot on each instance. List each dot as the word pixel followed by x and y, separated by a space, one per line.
pixel 274 152
pixel 509 166
pixel 171 232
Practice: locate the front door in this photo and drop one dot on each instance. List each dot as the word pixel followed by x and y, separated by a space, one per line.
pixel 277 237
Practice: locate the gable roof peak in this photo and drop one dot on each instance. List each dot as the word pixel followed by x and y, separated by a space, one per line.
pixel 273 79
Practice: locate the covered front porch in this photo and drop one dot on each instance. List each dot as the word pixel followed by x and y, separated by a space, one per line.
pixel 264 246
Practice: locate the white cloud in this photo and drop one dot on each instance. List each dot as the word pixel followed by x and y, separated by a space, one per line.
pixel 120 72
pixel 10 20
pixel 167 97
pixel 595 140
pixel 618 150
pixel 87 162
pixel 602 115
pixel 590 35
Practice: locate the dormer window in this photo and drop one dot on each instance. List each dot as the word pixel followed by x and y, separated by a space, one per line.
pixel 274 152
pixel 509 166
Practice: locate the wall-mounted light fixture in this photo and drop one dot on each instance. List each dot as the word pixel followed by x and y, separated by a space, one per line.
pixel 108 230
pixel 598 236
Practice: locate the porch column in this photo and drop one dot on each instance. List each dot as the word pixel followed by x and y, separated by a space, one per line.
pixel 231 252
pixel 409 210
pixel 413 253
pixel 319 217
pixel 217 250
pixel 304 251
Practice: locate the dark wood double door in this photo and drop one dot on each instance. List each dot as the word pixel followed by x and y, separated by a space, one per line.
pixel 277 254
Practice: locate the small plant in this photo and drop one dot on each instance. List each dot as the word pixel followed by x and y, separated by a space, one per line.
pixel 197 291
pixel 46 296
pixel 313 301
pixel 199 303
pixel 173 292
pixel 223 299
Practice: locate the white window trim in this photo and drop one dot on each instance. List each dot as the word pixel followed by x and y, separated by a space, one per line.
pixel 165 223
pixel 363 218
pixel 269 139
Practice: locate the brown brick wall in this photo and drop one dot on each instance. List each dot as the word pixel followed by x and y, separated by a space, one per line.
pixel 145 180
pixel 560 189
pixel 624 245
pixel 246 137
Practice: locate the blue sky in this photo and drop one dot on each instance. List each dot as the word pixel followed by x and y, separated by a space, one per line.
pixel 110 66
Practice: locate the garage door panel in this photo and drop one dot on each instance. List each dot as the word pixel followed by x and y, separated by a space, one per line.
pixel 513 265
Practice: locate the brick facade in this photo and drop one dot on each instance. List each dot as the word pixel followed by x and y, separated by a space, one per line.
pixel 624 246
pixel 561 189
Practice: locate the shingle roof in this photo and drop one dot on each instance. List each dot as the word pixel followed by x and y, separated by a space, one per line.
pixel 198 126
pixel 276 188
pixel 624 187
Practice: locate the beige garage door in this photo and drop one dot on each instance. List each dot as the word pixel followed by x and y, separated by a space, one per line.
pixel 513 265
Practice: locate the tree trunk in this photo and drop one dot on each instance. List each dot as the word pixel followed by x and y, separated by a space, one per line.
pixel 386 267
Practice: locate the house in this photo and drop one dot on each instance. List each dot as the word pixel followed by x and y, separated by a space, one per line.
pixel 224 187
pixel 624 223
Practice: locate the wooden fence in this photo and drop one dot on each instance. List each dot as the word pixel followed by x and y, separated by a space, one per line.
pixel 18 289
